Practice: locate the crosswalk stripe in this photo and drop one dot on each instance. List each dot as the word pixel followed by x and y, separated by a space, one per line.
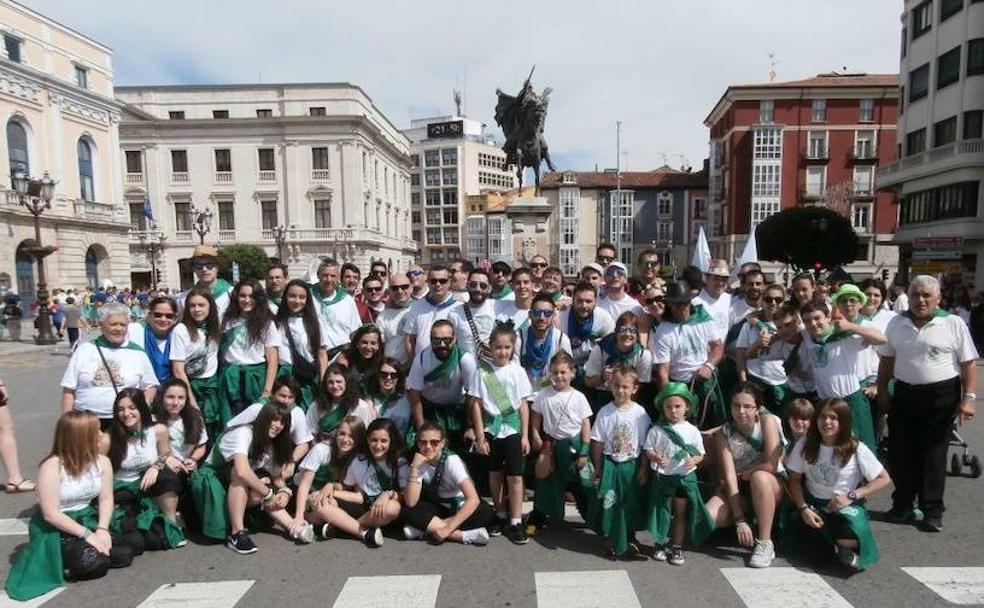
pixel 414 591
pixel 592 589
pixel 956 585
pixel 218 594
pixel 782 588
pixel 13 527
pixel 6 602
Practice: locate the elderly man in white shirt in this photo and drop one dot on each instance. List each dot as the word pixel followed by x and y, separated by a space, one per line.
pixel 931 356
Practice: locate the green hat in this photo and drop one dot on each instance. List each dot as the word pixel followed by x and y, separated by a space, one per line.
pixel 850 290
pixel 675 389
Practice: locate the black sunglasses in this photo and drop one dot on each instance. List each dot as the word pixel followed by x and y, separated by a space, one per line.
pixel 438 281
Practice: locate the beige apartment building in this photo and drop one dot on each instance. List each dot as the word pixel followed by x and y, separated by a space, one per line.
pixel 60 118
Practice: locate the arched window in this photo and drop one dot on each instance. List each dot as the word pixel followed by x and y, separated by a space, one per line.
pixel 17 148
pixel 92 261
pixel 86 185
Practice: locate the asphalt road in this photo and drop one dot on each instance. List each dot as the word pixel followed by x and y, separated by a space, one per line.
pixel 559 568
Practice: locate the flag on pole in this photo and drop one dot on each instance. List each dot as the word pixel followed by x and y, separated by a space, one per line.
pixel 750 254
pixel 702 252
pixel 148 211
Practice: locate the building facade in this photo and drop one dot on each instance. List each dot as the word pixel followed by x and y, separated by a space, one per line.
pixel 510 226
pixel 320 161
pixel 452 157
pixel 634 210
pixel 938 176
pixel 816 141
pixel 60 118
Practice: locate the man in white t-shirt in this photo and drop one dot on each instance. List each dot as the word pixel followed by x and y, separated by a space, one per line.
pixel 436 305
pixel 336 307
pixel 205 265
pixel 392 319
pixel 585 324
pixel 714 296
pixel 473 320
pixel 617 300
pixel 517 310
pixel 932 357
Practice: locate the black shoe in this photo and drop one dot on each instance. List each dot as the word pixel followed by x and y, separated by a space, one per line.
pixel 498 526
pixel 931 523
pixel 903 515
pixel 847 558
pixel 241 543
pixel 373 537
pixel 517 534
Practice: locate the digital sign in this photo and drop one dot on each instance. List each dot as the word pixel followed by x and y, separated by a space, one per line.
pixel 444 130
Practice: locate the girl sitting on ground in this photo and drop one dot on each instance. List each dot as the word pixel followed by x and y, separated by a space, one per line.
pixel 187 439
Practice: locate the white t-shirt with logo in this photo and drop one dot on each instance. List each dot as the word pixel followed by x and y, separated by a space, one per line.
pixel 621 431
pixel 421 318
pixel 89 377
pixel 768 370
pixel 340 319
pixel 825 478
pixel 392 322
pixel 563 413
pixel 835 366
pixel 683 345
pixel 930 354
pixel 658 442
pixel 201 357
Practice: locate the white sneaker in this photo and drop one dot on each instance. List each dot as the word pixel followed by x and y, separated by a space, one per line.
pixel 762 555
pixel 478 537
pixel 411 533
pixel 660 554
pixel 305 534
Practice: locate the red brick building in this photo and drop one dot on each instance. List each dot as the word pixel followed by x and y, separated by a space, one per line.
pixel 807 142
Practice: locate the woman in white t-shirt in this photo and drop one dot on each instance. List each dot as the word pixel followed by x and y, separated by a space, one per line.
pixel 187 437
pixel 620 348
pixel 249 350
pixel 195 354
pixel 338 398
pixel 304 340
pixel 386 387
pixel 839 473
pixel 441 500
pixel 757 338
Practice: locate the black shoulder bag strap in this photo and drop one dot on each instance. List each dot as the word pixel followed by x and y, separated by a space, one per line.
pixel 108 371
pixel 481 348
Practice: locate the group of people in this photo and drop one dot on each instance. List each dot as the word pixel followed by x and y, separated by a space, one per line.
pixel 673 406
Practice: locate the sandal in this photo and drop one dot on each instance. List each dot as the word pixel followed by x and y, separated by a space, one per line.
pixel 24 485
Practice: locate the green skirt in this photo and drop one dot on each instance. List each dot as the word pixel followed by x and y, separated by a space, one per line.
pixel 208 492
pixel 206 391
pixel 148 513
pixel 864 426
pixel 661 493
pixel 616 512
pixel 549 497
pixel 856 516
pixel 239 387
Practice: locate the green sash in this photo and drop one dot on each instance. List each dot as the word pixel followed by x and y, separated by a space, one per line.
pixel 208 492
pixel 856 516
pixel 756 443
pixel 323 476
pixel 231 335
pixel 617 510
pixel 101 341
pixel 329 421
pixel 147 513
pixel 549 497
pixel 446 368
pixel 685 450
pixel 697 315
pixel 220 287
pixel 508 414
pixel 505 291
pixel 664 488
pixel 385 481
pixel 323 299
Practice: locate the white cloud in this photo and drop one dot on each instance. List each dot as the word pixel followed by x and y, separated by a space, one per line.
pixel 656 65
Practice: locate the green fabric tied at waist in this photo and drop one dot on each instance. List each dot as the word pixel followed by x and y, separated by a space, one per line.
pixel 856 516
pixel 616 509
pixel 446 368
pixel 208 492
pixel 240 386
pixel 323 476
pixel 206 391
pixel 661 493
pixel 147 513
pixel 864 426
pixel 549 497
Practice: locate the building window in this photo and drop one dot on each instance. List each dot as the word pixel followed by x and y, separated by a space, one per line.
pixel 975 56
pixel 138 221
pixel 765 179
pixel 945 132
pixel 433 236
pixel 17 148
pixel 948 67
pixel 179 161
pixel 905 40
pixel 664 204
pixel 915 142
pixel 432 198
pixel 621 203
pixel 220 113
pixel 918 82
pixel 817 144
pixel 861 217
pixel 475 237
pixel 432 177
pixel 500 237
pixel 768 143
pixel 227 216
pixel 921 19
pixel 82 77
pixel 449 156
pixel 316 111
pixel 451 236
pixel 946 202
pixel 863 179
pixel 450 176
pixel 569 236
pixel 322 213
pixel 86 186
pixel 182 217
pixel 864 144
pixel 415 199
pixel 866 110
pixel 819 113
pixel 432 158
pixel 766 111
pixel 223 161
pixel 134 161
pixel 13 46
pixel 176 115
pixel 414 160
pixel 450 216
pixel 700 208
pixel 948 8
pixel 266 159
pixel 972 124
pixel 414 179
pixel 664 231
pixel 319 159
pixel 433 217
pixel 762 209
pixel 450 197
pixel 268 214
pixel 264 113
pixel 901 100
pixel 815 181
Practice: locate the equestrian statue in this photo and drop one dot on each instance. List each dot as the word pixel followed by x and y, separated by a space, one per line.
pixel 522 118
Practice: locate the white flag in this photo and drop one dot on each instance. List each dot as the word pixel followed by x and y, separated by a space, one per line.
pixel 702 252
pixel 750 254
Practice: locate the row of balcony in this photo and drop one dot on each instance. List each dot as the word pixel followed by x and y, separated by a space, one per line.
pixel 224 177
pixel 67 207
pixel 326 235
pixel 969 152
pixel 856 189
pixel 859 154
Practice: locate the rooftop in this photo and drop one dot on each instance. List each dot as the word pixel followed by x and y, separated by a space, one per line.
pixel 662 177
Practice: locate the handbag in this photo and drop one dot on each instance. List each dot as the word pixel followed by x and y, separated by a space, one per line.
pixel 304 370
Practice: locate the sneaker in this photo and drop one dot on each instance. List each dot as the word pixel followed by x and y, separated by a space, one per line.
pixel 478 537
pixel 306 534
pixel 411 533
pixel 660 554
pixel 847 557
pixel 181 543
pixel 324 531
pixel 373 537
pixel 762 555
pixel 498 526
pixel 931 523
pixel 676 556
pixel 516 534
pixel 903 515
pixel 241 543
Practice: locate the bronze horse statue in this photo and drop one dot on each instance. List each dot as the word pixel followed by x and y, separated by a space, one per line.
pixel 522 119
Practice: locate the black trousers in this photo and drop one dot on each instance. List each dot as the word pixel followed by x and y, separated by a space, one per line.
pixel 919 425
pixel 421 514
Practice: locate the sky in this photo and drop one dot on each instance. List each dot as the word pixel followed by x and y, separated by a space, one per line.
pixel 658 66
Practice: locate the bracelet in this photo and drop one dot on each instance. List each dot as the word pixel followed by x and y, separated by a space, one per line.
pixel 86 534
pixel 268 495
pixel 285 490
pixel 414 480
pixel 970 395
pixel 804 507
pixel 103 528
pixel 741 522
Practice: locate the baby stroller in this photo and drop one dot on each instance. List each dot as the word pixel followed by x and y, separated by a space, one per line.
pixel 965 458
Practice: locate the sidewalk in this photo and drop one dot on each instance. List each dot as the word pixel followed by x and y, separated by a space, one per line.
pixel 26 344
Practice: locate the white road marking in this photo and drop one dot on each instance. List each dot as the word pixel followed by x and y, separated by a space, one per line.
pixel 783 588
pixel 13 527
pixel 414 591
pixel 957 585
pixel 593 589
pixel 6 602
pixel 218 594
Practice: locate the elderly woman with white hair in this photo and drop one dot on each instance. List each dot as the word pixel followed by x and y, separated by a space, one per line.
pixel 100 369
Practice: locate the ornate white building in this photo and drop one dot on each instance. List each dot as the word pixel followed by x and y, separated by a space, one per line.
pixel 59 117
pixel 320 160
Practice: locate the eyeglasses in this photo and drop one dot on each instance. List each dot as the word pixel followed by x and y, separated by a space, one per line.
pixel 627 330
pixel 650 264
pixel 389 375
pixel 203 265
pixel 656 300
pixel 400 287
pixel 438 281
pixel 433 443
pixel 477 285
pixel 442 341
pixel 415 273
pixel 372 289
pixel 538 265
pixel 541 313
pixel 164 315
pixel 606 259
pixel 772 300
pixel 614 272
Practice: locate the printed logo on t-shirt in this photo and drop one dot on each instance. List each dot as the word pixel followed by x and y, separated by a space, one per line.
pixel 825 474
pixel 102 378
pixel 623 440
pixel 196 363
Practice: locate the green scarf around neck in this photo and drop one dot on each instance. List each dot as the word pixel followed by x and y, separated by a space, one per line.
pixel 446 368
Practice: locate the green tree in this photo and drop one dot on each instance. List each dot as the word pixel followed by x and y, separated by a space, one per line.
pixel 807 236
pixel 253 262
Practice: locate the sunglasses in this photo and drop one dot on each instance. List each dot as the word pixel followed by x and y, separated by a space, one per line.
pixel 389 375
pixel 541 313
pixel 442 341
pixel 606 259
pixel 477 285
pixel 164 315
pixel 627 330
pixel 538 265
pixel 772 300
pixel 372 289
pixel 656 300
pixel 650 264
pixel 400 287
pixel 433 443
pixel 438 281
pixel 616 272
pixel 414 273
pixel 203 265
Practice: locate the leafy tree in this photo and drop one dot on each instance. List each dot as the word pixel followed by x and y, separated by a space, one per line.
pixel 253 261
pixel 806 237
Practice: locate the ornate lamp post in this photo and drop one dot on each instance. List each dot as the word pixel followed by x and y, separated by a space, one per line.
pixel 280 237
pixel 153 244
pixel 35 194
pixel 201 222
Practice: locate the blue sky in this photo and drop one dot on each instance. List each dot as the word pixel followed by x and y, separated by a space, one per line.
pixel 656 65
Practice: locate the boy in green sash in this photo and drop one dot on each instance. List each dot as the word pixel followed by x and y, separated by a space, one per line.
pixel 674 448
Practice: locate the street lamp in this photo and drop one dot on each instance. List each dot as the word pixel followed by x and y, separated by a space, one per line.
pixel 201 222
pixel 35 194
pixel 280 237
pixel 153 244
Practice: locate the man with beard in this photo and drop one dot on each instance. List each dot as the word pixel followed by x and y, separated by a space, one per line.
pixel 460 270
pixel 585 324
pixel 391 320
pixel 752 284
pixel 646 275
pixel 616 300
pixel 500 277
pixel 593 274
pixel 541 340
pixel 437 380
pixel 335 307
pixel 517 310
pixel 371 303
pixel 714 296
pixel 205 264
pixel 473 321
pixel 605 255
pixel 437 304
pixel 276 280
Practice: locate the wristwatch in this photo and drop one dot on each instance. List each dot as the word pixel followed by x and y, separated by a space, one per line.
pixel 853 496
